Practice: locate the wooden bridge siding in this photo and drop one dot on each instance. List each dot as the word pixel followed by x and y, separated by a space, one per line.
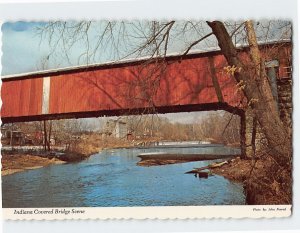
pixel 184 81
pixel 180 83
pixel 22 98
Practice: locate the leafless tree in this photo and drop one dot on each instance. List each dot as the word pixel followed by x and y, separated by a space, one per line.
pixel 156 39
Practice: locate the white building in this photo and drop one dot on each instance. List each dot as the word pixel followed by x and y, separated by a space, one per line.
pixel 116 128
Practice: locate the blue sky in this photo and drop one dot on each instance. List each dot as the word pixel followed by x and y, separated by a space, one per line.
pixel 20 47
pixel 24 48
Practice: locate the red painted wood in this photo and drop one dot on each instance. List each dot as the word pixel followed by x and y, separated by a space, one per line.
pixel 22 98
pixel 179 82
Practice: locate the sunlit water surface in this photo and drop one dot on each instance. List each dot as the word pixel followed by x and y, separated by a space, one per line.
pixel 112 178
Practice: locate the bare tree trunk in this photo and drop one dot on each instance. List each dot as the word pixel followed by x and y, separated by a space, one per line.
pixel 258 92
pixel 253 139
pixel 215 79
pixel 49 135
pixel 45 135
pixel 11 136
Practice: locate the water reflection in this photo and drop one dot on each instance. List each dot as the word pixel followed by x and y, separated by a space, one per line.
pixel 111 178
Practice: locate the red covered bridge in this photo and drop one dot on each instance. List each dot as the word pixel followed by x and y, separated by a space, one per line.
pixel 195 82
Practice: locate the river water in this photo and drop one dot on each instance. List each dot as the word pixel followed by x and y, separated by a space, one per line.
pixel 112 178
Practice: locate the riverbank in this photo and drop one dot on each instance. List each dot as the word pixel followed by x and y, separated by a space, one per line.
pixel 33 157
pixel 22 159
pixel 18 161
pixel 13 163
pixel 263 182
pixel 238 169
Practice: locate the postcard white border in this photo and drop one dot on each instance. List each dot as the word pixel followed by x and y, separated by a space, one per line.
pixel 223 9
pixel 163 212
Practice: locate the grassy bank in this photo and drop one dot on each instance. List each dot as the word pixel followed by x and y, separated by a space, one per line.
pixel 264 182
pixel 12 163
pixel 18 160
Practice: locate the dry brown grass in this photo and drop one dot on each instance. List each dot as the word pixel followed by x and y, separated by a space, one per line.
pixel 264 181
pixel 87 145
pixel 93 143
pixel 12 163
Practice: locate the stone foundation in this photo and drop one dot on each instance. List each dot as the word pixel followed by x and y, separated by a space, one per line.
pixel 252 126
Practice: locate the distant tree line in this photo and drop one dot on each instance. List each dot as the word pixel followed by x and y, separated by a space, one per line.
pixel 216 126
